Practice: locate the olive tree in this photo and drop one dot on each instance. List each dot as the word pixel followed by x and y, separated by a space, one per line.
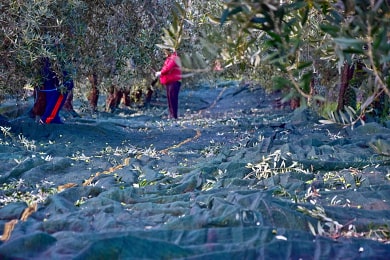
pixel 30 30
pixel 108 42
pixel 338 32
pixel 193 29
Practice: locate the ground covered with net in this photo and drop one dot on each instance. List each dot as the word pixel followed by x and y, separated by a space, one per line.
pixel 236 177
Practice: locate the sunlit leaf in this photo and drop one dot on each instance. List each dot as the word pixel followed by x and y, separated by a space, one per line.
pixel 351 113
pixel 320 229
pixel 344 119
pixel 312 230
pixel 326 122
pixel 163 46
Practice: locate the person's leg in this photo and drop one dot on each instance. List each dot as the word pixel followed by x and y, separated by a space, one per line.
pixel 169 88
pixel 174 98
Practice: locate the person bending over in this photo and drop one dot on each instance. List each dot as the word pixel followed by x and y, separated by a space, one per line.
pixel 55 93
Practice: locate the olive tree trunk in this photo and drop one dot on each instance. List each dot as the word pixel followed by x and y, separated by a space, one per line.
pixel 93 96
pixel 346 76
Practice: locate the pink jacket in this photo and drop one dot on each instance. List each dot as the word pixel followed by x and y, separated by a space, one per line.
pixel 170 71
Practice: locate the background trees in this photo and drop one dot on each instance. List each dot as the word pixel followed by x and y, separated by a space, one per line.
pixel 110 42
pixel 308 40
pixel 331 55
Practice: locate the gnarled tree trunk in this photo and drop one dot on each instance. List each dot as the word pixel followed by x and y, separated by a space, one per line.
pixel 125 97
pixel 116 96
pixel 346 76
pixel 39 102
pixel 149 92
pixel 113 98
pixel 93 96
pixel 68 104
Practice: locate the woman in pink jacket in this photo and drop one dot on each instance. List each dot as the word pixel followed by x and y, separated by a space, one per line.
pixel 170 76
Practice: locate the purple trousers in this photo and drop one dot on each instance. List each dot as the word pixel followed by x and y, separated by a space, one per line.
pixel 173 97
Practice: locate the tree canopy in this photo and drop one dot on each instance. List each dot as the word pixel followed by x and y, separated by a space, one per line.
pixel 281 44
pixel 107 38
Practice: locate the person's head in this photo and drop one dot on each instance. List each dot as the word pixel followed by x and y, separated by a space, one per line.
pixel 167 52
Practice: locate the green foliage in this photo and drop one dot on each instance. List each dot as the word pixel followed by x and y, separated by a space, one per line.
pixel 173 35
pixel 117 40
pixel 347 117
pixel 29 30
pixel 189 32
pixel 328 227
pixel 113 39
pixel 272 165
pixel 27 144
pixel 19 190
pixel 271 33
pixel 297 37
